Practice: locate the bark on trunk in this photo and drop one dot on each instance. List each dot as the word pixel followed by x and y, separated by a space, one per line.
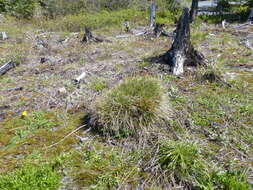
pixel 152 15
pixel 250 18
pixel 182 52
pixel 194 10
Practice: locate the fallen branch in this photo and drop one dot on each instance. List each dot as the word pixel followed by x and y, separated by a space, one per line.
pixel 242 25
pixel 71 133
pixel 79 78
pixel 6 67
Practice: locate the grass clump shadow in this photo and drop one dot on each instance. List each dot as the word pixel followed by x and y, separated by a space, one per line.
pixel 131 108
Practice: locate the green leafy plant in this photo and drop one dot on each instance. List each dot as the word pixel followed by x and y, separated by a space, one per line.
pixel 102 168
pixel 20 8
pixel 98 84
pixel 231 181
pixel 30 178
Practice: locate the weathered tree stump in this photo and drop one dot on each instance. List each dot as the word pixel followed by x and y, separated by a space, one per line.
pixel 250 18
pixel 152 15
pixel 182 52
pixel 89 37
pixel 194 10
pixel 159 31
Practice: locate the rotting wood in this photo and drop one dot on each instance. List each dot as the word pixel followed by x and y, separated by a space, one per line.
pixel 159 31
pixel 250 18
pixel 127 26
pixel 223 23
pixel 247 41
pixel 152 15
pixel 89 37
pixel 20 88
pixel 153 30
pixel 194 10
pixel 182 52
pixel 6 67
pixel 79 78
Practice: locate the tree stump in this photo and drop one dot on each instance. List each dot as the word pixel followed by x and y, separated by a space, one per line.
pixel 194 10
pixel 250 18
pixel 182 52
pixel 88 37
pixel 152 15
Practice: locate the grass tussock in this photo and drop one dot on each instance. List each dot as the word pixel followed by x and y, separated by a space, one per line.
pixel 184 162
pixel 180 158
pixel 129 109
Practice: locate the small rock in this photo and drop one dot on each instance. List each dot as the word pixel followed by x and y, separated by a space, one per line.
pixel 62 91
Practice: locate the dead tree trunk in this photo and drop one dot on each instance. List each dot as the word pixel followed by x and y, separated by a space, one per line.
pixel 152 15
pixel 194 10
pixel 182 52
pixel 6 67
pixel 250 18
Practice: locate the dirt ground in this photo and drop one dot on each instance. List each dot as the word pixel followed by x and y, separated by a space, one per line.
pixel 45 78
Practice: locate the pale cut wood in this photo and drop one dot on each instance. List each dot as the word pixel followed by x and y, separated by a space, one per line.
pixel 6 67
pixel 79 78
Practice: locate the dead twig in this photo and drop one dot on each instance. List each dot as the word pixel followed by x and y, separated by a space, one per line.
pixel 67 136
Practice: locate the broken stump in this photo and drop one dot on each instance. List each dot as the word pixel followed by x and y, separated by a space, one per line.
pixel 182 52
pixel 89 37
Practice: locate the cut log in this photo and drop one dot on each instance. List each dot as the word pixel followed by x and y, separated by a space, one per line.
pixel 6 67
pixel 182 52
pixel 194 10
pixel 152 15
pixel 79 78
pixel 89 37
